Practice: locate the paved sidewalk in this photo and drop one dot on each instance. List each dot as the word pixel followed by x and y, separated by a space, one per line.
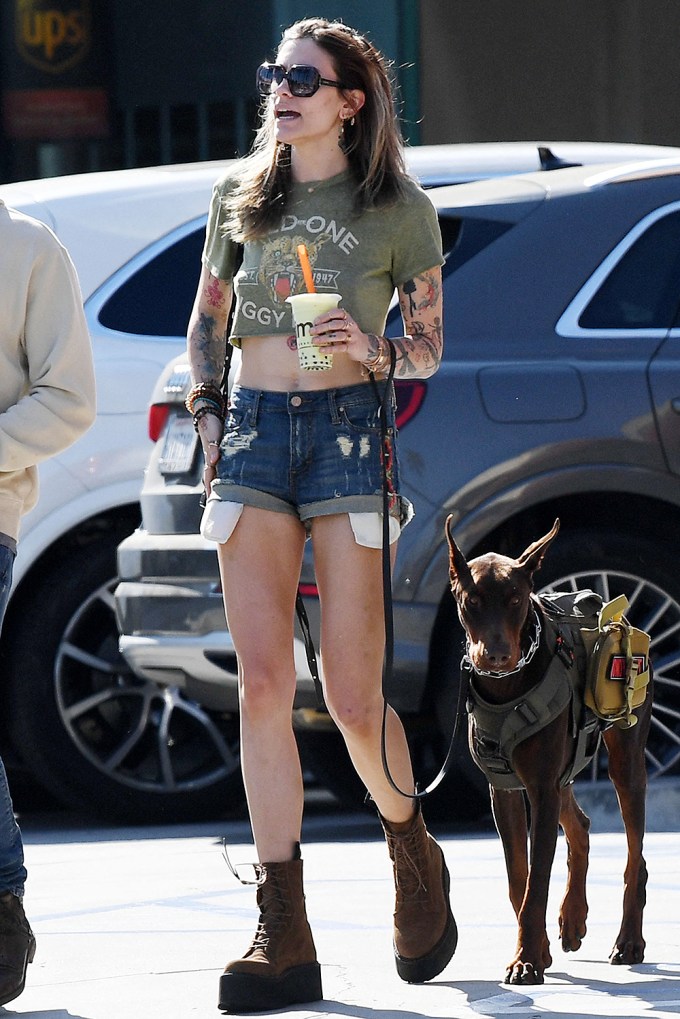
pixel 138 924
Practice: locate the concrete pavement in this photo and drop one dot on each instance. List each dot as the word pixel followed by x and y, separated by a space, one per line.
pixel 136 923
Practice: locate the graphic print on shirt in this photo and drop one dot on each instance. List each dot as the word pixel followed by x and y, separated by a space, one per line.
pixel 280 271
pixel 279 274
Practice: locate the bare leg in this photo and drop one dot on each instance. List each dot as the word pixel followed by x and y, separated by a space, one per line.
pixel 349 577
pixel 260 570
pixel 352 642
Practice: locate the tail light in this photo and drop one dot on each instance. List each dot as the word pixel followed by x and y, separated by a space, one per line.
pixel 158 416
pixel 410 395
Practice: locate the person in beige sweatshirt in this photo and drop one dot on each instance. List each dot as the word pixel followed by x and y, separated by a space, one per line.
pixel 47 401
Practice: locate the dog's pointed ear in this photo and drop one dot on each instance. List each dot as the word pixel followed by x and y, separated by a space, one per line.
pixel 532 557
pixel 459 571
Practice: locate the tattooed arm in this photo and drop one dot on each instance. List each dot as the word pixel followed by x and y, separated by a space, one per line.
pixel 207 332
pixel 419 352
pixel 206 347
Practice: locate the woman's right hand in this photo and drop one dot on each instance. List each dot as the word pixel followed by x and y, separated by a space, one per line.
pixel 210 432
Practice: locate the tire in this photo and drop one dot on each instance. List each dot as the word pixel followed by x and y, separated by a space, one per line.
pixel 455 799
pixel 96 736
pixel 611 564
pixel 324 754
pixel 465 785
pixel 646 572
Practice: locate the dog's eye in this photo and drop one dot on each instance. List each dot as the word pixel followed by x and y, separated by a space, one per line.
pixel 515 600
pixel 473 600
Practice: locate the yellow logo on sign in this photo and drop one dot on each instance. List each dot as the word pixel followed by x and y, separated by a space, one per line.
pixel 53 35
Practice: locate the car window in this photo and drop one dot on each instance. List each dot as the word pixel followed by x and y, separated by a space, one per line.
pixel 643 289
pixel 157 299
pixel 463 238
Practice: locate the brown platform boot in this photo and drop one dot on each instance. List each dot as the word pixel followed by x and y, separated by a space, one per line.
pixel 280 967
pixel 425 932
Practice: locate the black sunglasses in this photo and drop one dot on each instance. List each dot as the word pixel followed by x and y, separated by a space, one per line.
pixel 303 79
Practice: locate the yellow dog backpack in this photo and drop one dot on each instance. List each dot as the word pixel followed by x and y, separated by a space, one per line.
pixel 617 655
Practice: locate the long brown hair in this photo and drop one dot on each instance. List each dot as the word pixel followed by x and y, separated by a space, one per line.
pixel 373 144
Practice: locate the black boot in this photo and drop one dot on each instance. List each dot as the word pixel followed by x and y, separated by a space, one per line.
pixel 17 947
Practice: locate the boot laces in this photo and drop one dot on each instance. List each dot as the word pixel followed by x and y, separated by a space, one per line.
pixel 410 865
pixel 274 911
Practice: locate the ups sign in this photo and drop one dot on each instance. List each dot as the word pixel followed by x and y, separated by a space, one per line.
pixel 53 35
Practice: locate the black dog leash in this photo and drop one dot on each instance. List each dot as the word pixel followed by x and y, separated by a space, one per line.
pixel 388 659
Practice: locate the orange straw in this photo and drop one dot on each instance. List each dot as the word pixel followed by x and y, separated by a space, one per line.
pixel 306 268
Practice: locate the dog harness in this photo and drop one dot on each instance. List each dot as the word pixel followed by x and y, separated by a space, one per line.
pixel 494 730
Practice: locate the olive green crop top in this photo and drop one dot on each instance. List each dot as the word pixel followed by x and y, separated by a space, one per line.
pixel 361 257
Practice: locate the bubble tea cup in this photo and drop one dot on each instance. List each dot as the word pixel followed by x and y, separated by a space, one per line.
pixel 306 308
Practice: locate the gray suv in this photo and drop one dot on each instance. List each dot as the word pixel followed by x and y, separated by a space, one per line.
pixel 558 395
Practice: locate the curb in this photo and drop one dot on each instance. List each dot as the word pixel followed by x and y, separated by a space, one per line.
pixel 598 800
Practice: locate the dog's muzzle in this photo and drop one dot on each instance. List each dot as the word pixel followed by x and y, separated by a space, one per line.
pixel 524 660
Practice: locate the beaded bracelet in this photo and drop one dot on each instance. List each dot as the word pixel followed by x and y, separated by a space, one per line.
pixel 202 412
pixel 206 401
pixel 204 391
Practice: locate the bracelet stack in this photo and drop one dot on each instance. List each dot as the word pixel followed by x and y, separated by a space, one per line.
pixel 380 362
pixel 210 399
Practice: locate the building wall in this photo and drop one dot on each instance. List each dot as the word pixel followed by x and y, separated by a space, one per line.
pixel 177 79
pixel 569 69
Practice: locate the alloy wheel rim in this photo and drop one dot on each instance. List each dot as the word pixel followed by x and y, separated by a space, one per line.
pixel 654 610
pixel 136 732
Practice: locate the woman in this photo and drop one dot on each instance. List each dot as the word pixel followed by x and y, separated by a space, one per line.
pixel 300 455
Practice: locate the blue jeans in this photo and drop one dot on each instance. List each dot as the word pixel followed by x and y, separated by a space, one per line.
pixel 12 870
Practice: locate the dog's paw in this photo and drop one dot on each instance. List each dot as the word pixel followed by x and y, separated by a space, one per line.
pixel 629 954
pixel 523 973
pixel 572 936
pixel 572 923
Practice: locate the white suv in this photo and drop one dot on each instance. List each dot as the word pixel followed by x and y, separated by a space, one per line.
pixel 135 237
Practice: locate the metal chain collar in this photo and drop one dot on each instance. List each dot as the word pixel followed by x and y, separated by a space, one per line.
pixel 524 660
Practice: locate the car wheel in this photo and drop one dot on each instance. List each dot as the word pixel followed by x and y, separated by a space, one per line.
pixel 616 564
pixel 93 733
pixel 464 792
pixel 323 754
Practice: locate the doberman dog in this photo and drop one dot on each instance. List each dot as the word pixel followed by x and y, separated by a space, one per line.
pixel 497 608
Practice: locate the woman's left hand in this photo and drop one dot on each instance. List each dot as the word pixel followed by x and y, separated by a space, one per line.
pixel 337 332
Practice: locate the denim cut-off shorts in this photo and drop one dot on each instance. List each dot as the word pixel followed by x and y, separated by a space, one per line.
pixel 309 454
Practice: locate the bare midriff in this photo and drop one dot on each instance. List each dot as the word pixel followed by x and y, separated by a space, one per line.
pixel 271 363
